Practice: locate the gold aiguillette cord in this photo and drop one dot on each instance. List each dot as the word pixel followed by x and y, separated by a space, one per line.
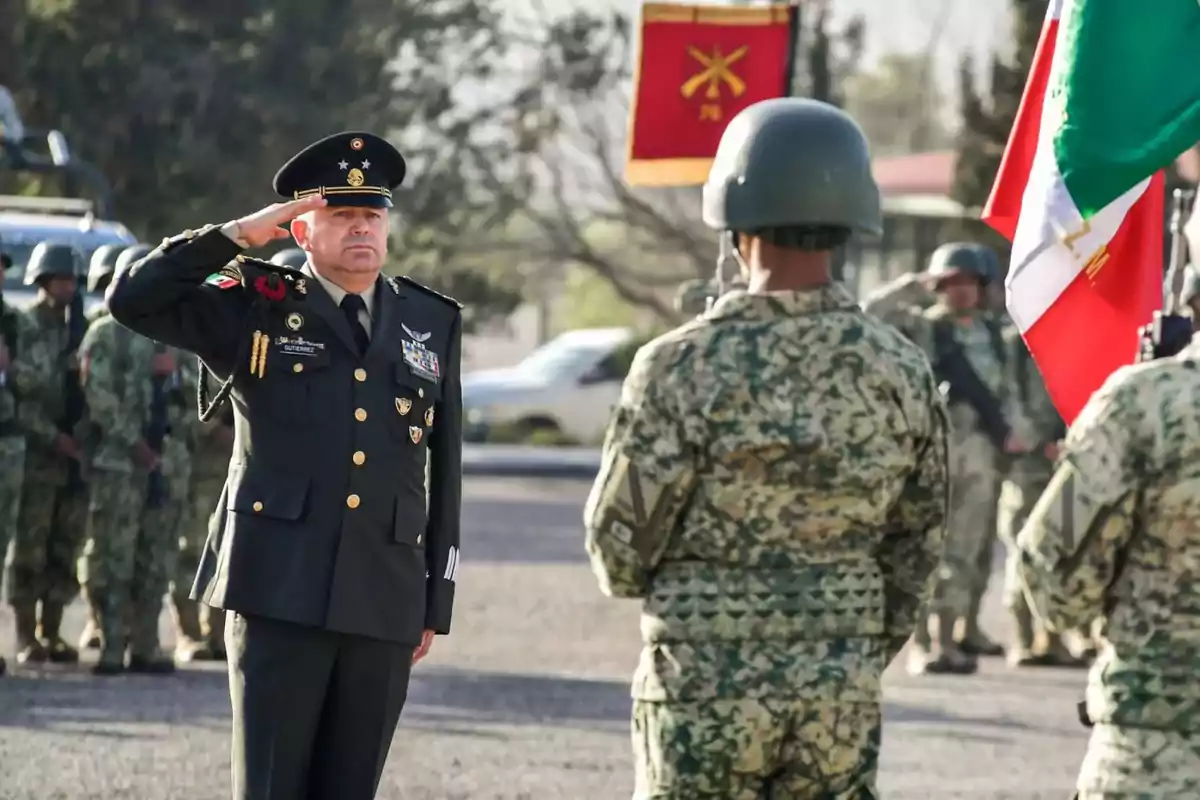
pixel 256 345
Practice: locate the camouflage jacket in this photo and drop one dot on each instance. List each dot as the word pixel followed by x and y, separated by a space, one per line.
pixel 1114 536
pixel 44 363
pixel 773 479
pixel 116 382
pixel 14 332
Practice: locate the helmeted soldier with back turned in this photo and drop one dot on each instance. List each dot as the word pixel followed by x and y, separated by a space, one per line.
pixel 293 257
pixel 338 564
pixel 773 488
pixel 41 574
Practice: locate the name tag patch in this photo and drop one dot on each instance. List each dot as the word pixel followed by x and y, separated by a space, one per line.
pixel 298 346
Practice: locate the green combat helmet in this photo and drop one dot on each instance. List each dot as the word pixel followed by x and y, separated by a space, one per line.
pixel 131 254
pixel 795 171
pixel 293 257
pixel 50 260
pixel 958 258
pixel 102 266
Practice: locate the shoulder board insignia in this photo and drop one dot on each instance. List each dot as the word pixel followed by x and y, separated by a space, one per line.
pixel 422 287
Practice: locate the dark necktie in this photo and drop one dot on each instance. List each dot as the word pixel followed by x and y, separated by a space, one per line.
pixel 352 304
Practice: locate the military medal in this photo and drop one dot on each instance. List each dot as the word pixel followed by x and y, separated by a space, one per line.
pixel 403 405
pixel 415 433
pixel 421 360
pixel 429 417
pixel 294 321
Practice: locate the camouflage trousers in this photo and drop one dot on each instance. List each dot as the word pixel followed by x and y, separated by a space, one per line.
pixel 204 495
pixel 1140 762
pixel 970 526
pixel 12 478
pixel 50 527
pixel 1019 494
pixel 743 749
pixel 126 564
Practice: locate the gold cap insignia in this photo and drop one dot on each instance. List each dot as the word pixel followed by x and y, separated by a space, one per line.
pixel 355 177
pixel 294 321
pixel 415 434
pixel 403 405
pixel 429 416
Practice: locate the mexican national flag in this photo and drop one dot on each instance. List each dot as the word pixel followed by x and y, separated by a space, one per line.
pixel 1112 99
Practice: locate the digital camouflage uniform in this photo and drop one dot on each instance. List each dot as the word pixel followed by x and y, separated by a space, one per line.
pixel 773 487
pixel 13 330
pixel 113 568
pixel 101 268
pixel 975 464
pixel 1115 535
pixel 1024 482
pixel 50 522
pixel 901 302
pixel 199 628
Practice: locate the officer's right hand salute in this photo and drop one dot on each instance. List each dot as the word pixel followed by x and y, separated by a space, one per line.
pixel 338 564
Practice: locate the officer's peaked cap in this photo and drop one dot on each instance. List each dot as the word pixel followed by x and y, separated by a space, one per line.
pixel 348 169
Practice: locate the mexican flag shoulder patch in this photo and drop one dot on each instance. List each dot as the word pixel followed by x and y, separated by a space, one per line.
pixel 225 279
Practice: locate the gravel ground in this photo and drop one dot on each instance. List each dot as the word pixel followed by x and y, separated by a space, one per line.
pixel 527 700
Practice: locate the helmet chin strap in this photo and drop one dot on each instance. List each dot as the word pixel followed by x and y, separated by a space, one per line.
pixel 728 252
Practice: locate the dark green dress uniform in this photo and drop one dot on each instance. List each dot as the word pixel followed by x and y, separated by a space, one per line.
pixel 326 542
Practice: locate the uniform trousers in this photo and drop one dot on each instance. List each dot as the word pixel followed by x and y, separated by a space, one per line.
pixel 314 711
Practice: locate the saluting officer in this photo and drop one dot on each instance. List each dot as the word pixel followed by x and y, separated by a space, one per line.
pixel 343 383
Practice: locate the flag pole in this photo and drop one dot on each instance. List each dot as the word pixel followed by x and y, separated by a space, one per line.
pixel 793 53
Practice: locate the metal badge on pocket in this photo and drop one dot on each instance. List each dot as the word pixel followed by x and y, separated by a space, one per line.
pixel 415 433
pixel 403 405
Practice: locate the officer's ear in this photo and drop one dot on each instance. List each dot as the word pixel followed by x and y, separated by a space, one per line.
pixel 301 227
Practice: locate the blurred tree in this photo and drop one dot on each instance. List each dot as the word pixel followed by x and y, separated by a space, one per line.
pixel 898 105
pixel 643 243
pixel 189 108
pixel 987 117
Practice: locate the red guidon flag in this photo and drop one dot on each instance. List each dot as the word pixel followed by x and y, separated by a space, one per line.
pixel 1112 99
pixel 697 67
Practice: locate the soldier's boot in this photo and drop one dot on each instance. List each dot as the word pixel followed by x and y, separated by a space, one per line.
pixel 1021 654
pixel 189 641
pixel 1055 653
pixel 972 641
pixel 90 638
pixel 58 651
pixel 145 655
pixel 112 635
pixel 948 658
pixel 919 647
pixel 29 649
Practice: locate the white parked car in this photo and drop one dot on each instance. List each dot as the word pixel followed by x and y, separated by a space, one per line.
pixel 568 385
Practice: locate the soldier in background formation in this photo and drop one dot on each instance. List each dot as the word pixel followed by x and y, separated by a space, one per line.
pixel 14 330
pixel 41 572
pixel 129 382
pixel 781 552
pixel 200 629
pixel 965 346
pixel 1114 536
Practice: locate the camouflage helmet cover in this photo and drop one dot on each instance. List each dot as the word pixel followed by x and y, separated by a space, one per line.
pixel 292 257
pixel 792 162
pixel 960 258
pixel 132 254
pixel 51 260
pixel 102 265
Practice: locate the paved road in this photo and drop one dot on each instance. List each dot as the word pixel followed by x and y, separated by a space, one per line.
pixel 528 700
